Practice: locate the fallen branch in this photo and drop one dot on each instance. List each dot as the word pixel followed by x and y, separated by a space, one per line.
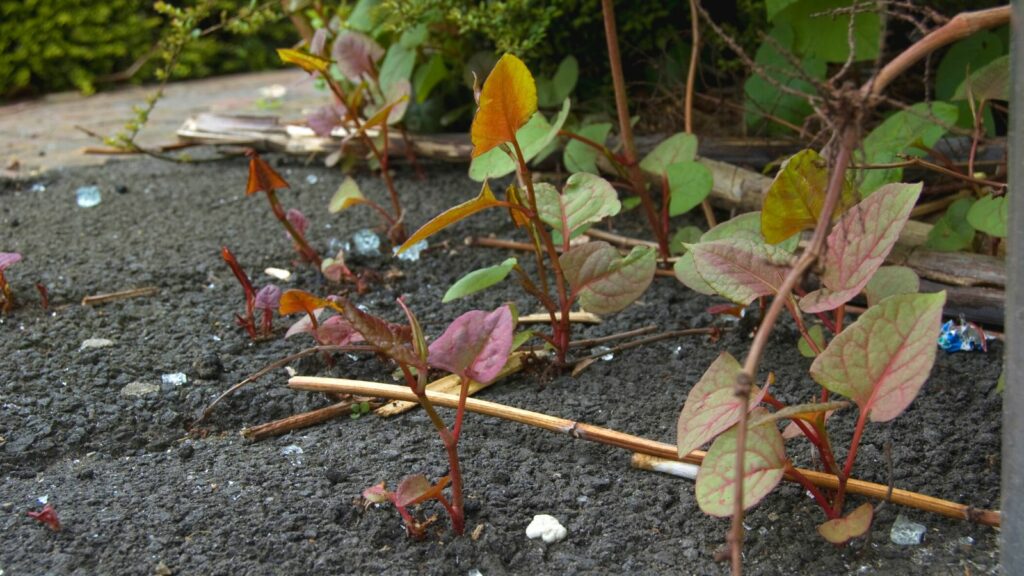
pixel 636 443
pixel 304 420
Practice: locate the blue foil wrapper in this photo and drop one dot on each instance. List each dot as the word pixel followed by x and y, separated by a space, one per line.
pixel 962 336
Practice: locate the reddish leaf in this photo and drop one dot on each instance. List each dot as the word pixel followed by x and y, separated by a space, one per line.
pixel 391 340
pixel 476 345
pixel 711 406
pixel 796 197
pixel 508 99
pixel 262 178
pixel 268 298
pixel 8 258
pixel 763 467
pixel 325 119
pixel 293 301
pixel 881 360
pixel 859 243
pixel 417 489
pixel 47 516
pixel 356 54
pixel 452 215
pixel 740 269
pixel 604 281
pixel 298 221
pixel 337 331
pixel 377 494
pixel 853 525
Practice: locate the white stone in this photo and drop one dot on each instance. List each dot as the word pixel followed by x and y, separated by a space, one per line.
pixel 140 389
pixel 95 343
pixel 547 528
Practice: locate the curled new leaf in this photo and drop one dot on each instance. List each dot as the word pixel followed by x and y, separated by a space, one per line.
pixel 452 215
pixel 604 281
pixel 507 100
pixel 882 360
pixel 797 195
pixel 262 178
pixel 309 62
pixel 476 345
pixel 853 525
pixel 712 406
pixel 764 464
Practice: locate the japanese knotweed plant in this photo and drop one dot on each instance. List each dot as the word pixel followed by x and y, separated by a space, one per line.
pixel 593 273
pixel 879 362
pixel 474 347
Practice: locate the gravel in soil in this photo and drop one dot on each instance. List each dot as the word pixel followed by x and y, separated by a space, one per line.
pixel 101 436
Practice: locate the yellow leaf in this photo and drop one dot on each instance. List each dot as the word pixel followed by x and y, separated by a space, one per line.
pixel 382 114
pixel 796 196
pixel 508 99
pixel 348 195
pixel 452 215
pixel 308 62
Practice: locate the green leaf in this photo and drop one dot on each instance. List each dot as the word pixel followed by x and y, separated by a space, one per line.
pixel 853 525
pixel 397 65
pixel 362 16
pixel 682 237
pixel 859 243
pixel 686 272
pixel 822 34
pixel 605 282
pixel 966 56
pixel 521 338
pixel 897 134
pixel 533 138
pixel 952 232
pixel 580 157
pixel 990 215
pixel 681 147
pixel 478 280
pixel 773 7
pixel 890 281
pixel 747 226
pixel 550 92
pixel 348 195
pixel 712 406
pixel 690 183
pixel 764 464
pixel 630 203
pixel 762 97
pixel 818 335
pixel 797 195
pixel 427 76
pixel 739 269
pixel 881 360
pixel 991 82
pixel 413 37
pixel 585 200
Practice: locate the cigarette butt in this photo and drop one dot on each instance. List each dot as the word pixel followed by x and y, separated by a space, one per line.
pixel 655 464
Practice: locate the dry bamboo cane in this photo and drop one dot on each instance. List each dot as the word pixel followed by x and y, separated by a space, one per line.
pixel 637 444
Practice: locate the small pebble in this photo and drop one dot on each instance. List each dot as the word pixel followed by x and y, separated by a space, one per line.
pixel 906 533
pixel 88 196
pixel 95 343
pixel 207 366
pixel 121 189
pixel 547 528
pixel 186 452
pixel 174 378
pixel 335 476
pixel 139 389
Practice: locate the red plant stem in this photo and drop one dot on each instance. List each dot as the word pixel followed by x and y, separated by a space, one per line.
pixel 636 178
pixel 304 248
pixel 778 405
pixel 561 328
pixel 8 301
pixel 249 322
pixel 848 469
pixel 814 490
pixel 461 410
pixel 44 295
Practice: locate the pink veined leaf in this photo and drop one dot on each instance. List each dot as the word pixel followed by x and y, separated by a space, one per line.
pixel 859 243
pixel 298 220
pixel 853 525
pixel 8 258
pixel 882 360
pixel 337 331
pixel 604 281
pixel 476 345
pixel 763 467
pixel 416 489
pixel 711 406
pixel 392 340
pixel 325 119
pixel 318 42
pixel 356 54
pixel 303 325
pixel 741 269
pixel 268 298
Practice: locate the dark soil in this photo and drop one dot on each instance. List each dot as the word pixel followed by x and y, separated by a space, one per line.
pixel 97 432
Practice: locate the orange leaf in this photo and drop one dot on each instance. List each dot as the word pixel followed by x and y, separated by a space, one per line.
pixel 797 196
pixel 308 62
pixel 452 215
pixel 508 99
pixel 294 301
pixel 262 178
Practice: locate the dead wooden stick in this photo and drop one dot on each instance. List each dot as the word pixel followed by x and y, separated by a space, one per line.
pixel 98 299
pixel 636 443
pixel 304 420
pixel 574 317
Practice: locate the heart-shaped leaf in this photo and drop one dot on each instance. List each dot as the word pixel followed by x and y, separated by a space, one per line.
pixel 478 280
pixel 308 62
pixel 580 157
pixel 990 215
pixel 689 184
pixel 507 100
pixel 681 147
pixel 476 345
pixel 747 226
pixel 533 138
pixel 604 281
pixel 356 54
pixel 889 281
pixel 922 123
pixel 452 215
pixel 991 82
pixel 797 195
pixel 712 406
pixel 952 232
pixel 348 195
pixel 739 269
pixel 416 489
pixel 262 178
pixel 853 525
pixel 859 243
pixel 585 200
pixel 881 360
pixel 686 272
pixel 763 467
